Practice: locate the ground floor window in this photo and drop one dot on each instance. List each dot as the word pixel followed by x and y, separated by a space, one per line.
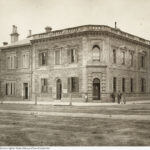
pixel 143 85
pixel 10 88
pixel 44 85
pixel 123 84
pixel 131 85
pixel 114 84
pixel 96 89
pixel 73 84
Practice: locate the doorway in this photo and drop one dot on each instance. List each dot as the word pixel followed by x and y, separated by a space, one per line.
pixel 25 90
pixel 96 89
pixel 59 89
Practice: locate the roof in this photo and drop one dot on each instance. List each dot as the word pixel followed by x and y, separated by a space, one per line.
pixel 90 28
pixel 18 43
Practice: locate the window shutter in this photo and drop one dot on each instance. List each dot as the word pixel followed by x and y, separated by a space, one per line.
pixel 42 85
pixel 144 85
pixel 76 84
pixel 139 61
pixel 145 63
pixel 40 59
pixel 8 62
pixel 69 56
pixel 46 58
pixel 46 85
pixel 6 89
pixel 16 62
pixel 76 55
pixel 69 85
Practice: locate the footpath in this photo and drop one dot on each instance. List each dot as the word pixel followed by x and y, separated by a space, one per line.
pixel 79 115
pixel 59 103
pixel 71 114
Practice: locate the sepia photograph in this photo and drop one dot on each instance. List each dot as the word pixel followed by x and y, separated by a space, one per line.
pixel 74 73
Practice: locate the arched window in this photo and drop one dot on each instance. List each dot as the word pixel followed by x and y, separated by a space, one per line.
pixel 96 52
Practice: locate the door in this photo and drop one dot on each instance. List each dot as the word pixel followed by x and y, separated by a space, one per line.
pixel 59 89
pixel 96 89
pixel 26 90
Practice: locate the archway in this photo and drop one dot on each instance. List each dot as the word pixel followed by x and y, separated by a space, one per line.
pixel 96 89
pixel 59 89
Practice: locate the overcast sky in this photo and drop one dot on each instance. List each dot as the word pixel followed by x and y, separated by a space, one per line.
pixel 132 16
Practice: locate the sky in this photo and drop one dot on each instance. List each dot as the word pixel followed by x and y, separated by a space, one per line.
pixel 132 16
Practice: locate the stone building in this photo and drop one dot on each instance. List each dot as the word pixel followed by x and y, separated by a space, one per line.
pixel 92 59
pixel 15 68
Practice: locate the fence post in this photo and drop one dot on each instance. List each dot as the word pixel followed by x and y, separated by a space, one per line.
pixel 70 100
pixel 35 99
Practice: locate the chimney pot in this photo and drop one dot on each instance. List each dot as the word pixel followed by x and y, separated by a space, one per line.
pixel 115 25
pixel 14 35
pixel 48 29
pixel 30 33
pixel 5 43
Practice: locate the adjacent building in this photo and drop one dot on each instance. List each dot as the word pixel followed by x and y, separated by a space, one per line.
pixel 92 60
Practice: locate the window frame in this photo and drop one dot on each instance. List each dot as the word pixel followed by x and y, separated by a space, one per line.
pixel 25 60
pixel 123 58
pixel 41 52
pixel 123 84
pixel 94 58
pixel 143 85
pixel 44 86
pixel 11 61
pixel 72 55
pixel 114 56
pixel 114 84
pixel 73 84
pixel 57 61
pixel 131 85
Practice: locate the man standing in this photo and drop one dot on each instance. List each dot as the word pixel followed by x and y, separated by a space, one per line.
pixel 119 96
pixel 123 98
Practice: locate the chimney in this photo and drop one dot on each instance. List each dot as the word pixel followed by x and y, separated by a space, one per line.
pixel 30 33
pixel 115 25
pixel 48 29
pixel 14 35
pixel 5 43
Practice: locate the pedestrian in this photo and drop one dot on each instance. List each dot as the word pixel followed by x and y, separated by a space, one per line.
pixel 119 97
pixel 86 97
pixel 123 98
pixel 113 95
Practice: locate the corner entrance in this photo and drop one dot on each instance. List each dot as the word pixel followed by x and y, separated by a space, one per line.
pixel 59 89
pixel 25 91
pixel 96 89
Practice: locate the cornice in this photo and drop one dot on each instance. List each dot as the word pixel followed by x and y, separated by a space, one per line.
pixel 87 30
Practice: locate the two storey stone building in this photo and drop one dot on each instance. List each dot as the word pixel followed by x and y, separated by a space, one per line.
pixel 93 59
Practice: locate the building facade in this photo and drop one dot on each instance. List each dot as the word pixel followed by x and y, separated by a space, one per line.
pixel 92 60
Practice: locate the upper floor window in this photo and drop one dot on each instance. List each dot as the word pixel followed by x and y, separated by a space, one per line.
pixel 96 52
pixel 12 61
pixel 143 85
pixel 73 84
pixel 72 55
pixel 43 58
pixel 44 85
pixel 142 61
pixel 131 59
pixel 123 57
pixel 25 60
pixel 114 56
pixel 58 57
